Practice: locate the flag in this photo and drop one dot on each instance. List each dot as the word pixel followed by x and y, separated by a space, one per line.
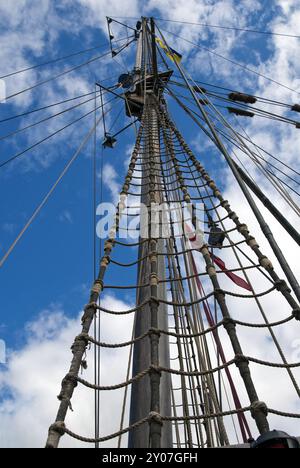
pixel 235 278
pixel 171 53
pixel 196 238
pixel 197 242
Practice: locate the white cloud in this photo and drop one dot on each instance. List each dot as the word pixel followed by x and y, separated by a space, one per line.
pixel 110 180
pixel 33 374
pixel 95 9
pixel 282 141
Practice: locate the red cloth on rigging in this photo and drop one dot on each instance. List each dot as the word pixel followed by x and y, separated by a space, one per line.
pixel 235 278
pixel 243 423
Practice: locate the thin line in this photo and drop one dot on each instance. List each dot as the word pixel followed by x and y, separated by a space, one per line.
pixel 232 61
pixel 58 76
pixel 206 25
pixel 19 130
pixel 56 60
pixel 242 136
pixel 46 198
pixel 52 105
pixel 99 299
pixel 252 153
pixel 122 24
pixel 94 169
pixel 116 119
pixel 258 112
pixel 125 128
pixel 272 101
pixel 225 96
pixel 45 107
pixel 103 117
pixel 47 138
pixel 50 61
pixel 287 198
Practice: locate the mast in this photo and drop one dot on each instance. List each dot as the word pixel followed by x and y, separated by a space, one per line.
pixel 150 394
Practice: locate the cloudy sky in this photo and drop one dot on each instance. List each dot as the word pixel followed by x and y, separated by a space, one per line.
pixel 45 281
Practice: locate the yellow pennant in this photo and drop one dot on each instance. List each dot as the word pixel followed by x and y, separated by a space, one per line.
pixel 171 53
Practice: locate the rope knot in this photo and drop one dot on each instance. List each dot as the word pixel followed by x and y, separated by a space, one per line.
pixel 242 228
pixel 89 311
pixel 232 215
pixel 156 417
pixel 153 256
pixel 154 331
pixel 296 314
pixel 210 269
pixel 220 292
pixel 98 286
pixel 104 262
pixel 154 280
pixel 282 286
pixel 257 408
pixel 109 244
pixel 91 305
pixel 266 263
pixel 155 370
pixel 83 337
pixel 240 359
pixel 59 427
pixel 153 301
pixel 252 242
pixel 227 321
pixel 71 378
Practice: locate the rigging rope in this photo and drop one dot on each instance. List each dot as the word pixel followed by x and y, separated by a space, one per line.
pixel 47 197
pixel 21 153
pixel 207 25
pixel 234 62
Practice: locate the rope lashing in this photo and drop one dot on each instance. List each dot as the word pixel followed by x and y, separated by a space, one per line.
pixel 139 376
pixel 256 407
pixel 196 372
pixel 187 336
pixel 239 360
pixel 80 345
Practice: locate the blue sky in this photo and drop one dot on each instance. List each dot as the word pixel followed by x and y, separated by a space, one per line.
pixel 52 266
pixel 54 261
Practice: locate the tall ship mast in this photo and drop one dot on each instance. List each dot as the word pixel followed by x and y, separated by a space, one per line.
pixel 200 287
pixel 190 381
